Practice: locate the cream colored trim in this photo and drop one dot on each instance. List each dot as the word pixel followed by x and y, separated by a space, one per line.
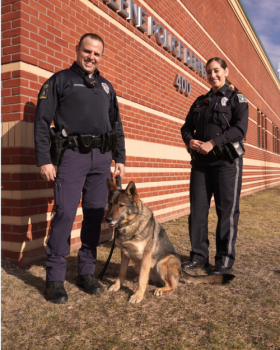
pixel 164 197
pixel 27 194
pixel 150 110
pixel 158 184
pixel 228 59
pixel 261 181
pixel 17 134
pixel 25 168
pixel 24 246
pixel 155 150
pixel 260 163
pixel 272 172
pixel 10 67
pixel 253 121
pixel 258 188
pixel 241 16
pixel 171 209
pixel 259 175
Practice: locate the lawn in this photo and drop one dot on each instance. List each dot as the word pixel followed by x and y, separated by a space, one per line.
pixel 242 315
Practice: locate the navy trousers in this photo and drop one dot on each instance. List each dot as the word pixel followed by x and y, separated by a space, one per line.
pixel 78 173
pixel 224 180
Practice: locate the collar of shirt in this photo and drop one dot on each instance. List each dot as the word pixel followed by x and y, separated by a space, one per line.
pixel 221 91
pixel 80 71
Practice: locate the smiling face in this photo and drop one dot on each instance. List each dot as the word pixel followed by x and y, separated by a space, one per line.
pixel 216 75
pixel 89 54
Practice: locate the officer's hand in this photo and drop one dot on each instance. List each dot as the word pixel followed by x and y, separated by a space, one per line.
pixel 206 147
pixel 119 169
pixel 48 172
pixel 194 144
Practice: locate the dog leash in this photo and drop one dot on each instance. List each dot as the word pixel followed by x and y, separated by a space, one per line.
pixel 101 274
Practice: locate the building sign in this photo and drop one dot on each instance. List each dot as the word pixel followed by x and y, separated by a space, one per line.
pixel 134 13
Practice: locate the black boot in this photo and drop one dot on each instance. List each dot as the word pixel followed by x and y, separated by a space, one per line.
pixel 191 265
pixel 55 292
pixel 90 283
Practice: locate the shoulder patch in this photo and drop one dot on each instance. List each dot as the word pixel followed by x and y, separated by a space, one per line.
pixel 105 87
pixel 44 92
pixel 242 98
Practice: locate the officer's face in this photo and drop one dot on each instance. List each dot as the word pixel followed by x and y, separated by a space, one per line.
pixel 216 75
pixel 89 54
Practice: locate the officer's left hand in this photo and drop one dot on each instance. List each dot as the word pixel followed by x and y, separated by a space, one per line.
pixel 206 147
pixel 119 169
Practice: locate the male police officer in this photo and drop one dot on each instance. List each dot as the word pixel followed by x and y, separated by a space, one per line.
pixel 84 108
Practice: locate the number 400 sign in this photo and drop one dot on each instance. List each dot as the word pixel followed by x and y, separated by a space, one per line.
pixel 183 85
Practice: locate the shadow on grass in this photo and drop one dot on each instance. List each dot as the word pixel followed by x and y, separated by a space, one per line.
pixel 39 283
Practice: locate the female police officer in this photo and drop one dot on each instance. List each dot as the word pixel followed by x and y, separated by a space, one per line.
pixel 213 122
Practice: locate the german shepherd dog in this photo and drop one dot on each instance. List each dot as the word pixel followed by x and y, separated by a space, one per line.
pixel 144 241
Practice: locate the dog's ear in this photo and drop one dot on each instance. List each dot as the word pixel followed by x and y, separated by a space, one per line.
pixel 131 189
pixel 111 186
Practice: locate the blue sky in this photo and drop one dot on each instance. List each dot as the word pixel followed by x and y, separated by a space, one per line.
pixel 265 16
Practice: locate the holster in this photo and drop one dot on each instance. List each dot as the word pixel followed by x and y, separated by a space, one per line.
pixel 234 150
pixel 86 143
pixel 58 146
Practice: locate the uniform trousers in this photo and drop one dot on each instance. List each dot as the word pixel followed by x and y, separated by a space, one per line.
pixel 78 173
pixel 224 180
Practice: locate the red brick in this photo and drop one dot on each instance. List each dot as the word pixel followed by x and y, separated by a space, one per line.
pixel 46 19
pixel 6 75
pixel 6 9
pixel 6 228
pixel 5 27
pixel 38 38
pixel 10 16
pixel 46 34
pixel 37 6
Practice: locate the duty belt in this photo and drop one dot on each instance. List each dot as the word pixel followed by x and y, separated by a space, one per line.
pixel 215 154
pixel 84 143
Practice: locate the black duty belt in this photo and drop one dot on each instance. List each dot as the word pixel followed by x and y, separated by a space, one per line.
pixel 216 153
pixel 84 143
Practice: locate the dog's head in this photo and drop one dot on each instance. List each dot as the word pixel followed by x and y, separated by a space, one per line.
pixel 123 205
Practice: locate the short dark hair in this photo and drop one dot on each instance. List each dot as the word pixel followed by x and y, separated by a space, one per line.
pixel 92 36
pixel 219 60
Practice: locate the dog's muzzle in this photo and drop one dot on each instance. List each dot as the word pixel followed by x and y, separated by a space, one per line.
pixel 113 223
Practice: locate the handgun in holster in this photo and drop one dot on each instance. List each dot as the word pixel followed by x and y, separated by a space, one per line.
pixel 58 146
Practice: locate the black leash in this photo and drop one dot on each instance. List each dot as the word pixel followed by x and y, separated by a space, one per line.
pixel 100 276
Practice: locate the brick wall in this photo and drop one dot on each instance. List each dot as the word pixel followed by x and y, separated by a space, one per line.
pixel 39 38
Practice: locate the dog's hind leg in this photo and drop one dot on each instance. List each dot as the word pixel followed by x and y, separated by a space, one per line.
pixel 169 271
pixel 124 264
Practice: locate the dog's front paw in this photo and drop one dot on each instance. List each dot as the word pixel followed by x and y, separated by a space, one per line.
pixel 115 287
pixel 135 298
pixel 158 292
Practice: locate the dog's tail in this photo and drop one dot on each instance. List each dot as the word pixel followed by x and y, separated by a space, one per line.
pixel 222 279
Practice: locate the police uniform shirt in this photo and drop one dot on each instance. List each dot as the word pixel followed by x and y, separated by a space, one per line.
pixel 206 118
pixel 76 108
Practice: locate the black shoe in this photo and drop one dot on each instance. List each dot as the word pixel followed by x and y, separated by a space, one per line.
pixel 90 283
pixel 194 265
pixel 55 292
pixel 218 270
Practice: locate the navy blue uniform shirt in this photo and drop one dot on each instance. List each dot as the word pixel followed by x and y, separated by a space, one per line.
pixel 206 118
pixel 76 108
